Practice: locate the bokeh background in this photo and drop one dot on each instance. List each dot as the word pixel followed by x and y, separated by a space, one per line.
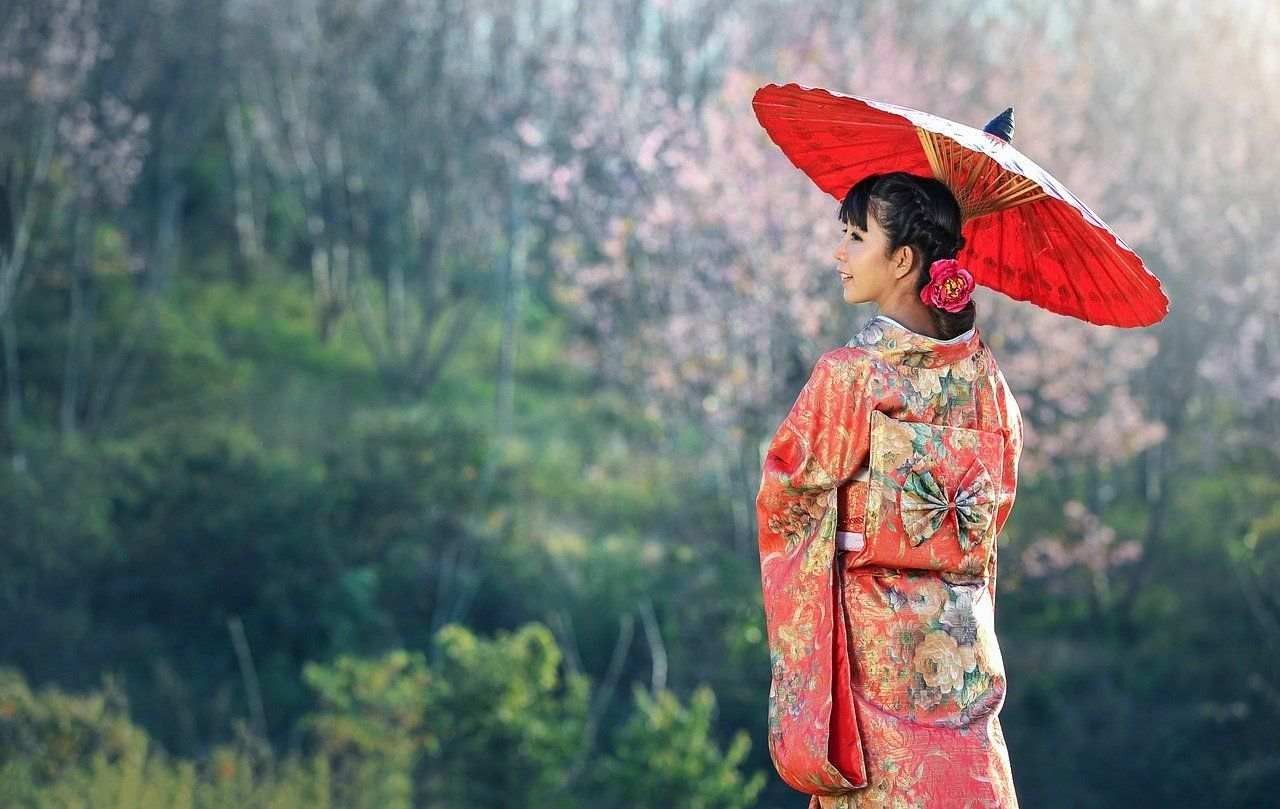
pixel 383 385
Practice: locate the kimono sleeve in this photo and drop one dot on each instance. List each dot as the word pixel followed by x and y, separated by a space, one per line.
pixel 813 735
pixel 1011 426
pixel 826 435
pixel 1011 421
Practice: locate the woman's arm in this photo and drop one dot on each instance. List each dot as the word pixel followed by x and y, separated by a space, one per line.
pixel 824 439
pixel 1011 426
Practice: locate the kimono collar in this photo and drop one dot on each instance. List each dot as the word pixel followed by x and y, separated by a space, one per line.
pixel 898 344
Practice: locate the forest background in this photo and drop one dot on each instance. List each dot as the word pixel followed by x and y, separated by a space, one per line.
pixel 383 386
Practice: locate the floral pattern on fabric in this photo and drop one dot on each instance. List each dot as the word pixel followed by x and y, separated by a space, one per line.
pixel 886 676
pixel 932 495
pixel 820 442
pixel 925 503
pixel 933 657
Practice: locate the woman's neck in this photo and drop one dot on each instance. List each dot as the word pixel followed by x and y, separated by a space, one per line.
pixel 916 319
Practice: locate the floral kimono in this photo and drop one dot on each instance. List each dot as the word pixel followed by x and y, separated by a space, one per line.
pixel 886 675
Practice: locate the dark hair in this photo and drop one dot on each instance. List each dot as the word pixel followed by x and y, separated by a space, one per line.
pixel 917 211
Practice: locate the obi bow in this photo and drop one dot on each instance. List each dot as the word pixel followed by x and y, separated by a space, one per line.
pixel 924 503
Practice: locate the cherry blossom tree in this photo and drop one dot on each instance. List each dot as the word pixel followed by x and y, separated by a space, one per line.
pixel 1087 546
pixel 390 121
pixel 709 282
pixel 74 146
pixel 52 124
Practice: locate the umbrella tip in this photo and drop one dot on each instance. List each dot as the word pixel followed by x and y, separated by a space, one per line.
pixel 1001 126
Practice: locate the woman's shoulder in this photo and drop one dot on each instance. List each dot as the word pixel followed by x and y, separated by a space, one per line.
pixel 842 368
pixel 849 354
pixel 851 359
pixel 992 367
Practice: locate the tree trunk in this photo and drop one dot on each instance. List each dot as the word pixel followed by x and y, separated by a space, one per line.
pixel 79 317
pixel 12 374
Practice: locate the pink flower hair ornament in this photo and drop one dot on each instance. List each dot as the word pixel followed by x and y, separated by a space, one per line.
pixel 949 287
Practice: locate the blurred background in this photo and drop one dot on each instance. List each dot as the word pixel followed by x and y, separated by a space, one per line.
pixel 384 384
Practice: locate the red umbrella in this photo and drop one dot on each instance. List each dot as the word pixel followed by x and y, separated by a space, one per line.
pixel 1026 235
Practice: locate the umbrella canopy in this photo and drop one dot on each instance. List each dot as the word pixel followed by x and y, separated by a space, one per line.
pixel 1026 235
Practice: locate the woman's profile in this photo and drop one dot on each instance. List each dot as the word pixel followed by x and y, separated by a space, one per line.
pixel 883 493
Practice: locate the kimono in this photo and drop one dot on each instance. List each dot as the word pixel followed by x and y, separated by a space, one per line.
pixel 886 676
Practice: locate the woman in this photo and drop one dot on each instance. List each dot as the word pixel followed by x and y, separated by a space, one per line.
pixel 883 493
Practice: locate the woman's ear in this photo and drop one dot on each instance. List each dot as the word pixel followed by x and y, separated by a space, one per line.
pixel 905 259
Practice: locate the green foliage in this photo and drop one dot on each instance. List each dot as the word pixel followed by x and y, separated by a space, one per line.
pixel 1179 671
pixel 507 725
pixel 665 755
pixel 492 720
pixel 372 726
pixel 53 732
pixel 60 750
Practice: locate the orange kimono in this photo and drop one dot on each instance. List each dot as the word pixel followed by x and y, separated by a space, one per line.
pixel 887 679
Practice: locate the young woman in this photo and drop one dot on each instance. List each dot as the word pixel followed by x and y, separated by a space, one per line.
pixel 883 493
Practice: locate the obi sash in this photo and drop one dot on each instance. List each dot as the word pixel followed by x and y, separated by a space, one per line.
pixel 926 500
pixel 916 638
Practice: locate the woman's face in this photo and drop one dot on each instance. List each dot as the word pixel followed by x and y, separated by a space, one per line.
pixel 866 274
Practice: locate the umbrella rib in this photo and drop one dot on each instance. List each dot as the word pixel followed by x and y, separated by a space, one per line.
pixel 1083 282
pixel 1121 263
pixel 1100 261
pixel 1117 263
pixel 1056 215
pixel 1001 263
pixel 1122 259
pixel 994 231
pixel 1018 194
pixel 975 171
pixel 1040 284
pixel 1013 186
pixel 1132 272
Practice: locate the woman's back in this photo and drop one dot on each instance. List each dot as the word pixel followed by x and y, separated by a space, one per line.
pixel 953 383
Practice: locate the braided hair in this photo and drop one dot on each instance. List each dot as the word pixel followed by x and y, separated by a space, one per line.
pixel 920 212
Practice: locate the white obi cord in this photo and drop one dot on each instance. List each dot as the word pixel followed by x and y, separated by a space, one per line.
pixel 850 540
